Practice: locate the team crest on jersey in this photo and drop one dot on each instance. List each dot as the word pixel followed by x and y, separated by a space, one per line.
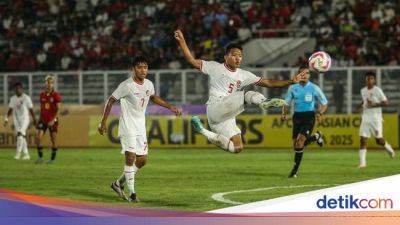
pixel 147 93
pixel 238 83
pixel 51 100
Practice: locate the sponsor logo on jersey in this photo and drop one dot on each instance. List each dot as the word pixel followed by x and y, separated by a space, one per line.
pixel 238 83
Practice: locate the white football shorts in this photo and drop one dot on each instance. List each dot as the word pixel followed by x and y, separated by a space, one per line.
pixel 371 128
pixel 21 127
pixel 221 115
pixel 136 144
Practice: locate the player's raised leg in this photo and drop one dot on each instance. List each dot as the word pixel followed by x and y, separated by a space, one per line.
pixel 317 138
pixel 386 145
pixel 256 98
pixel 218 139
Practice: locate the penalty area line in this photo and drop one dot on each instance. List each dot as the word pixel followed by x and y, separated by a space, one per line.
pixel 220 197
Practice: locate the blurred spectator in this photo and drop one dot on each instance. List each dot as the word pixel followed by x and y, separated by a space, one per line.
pixel 102 34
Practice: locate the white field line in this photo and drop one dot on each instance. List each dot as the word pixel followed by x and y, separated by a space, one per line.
pixel 220 196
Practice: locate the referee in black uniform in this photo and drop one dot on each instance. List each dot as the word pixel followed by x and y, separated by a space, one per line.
pixel 306 96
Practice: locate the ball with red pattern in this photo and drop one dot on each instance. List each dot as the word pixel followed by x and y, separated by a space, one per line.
pixel 320 61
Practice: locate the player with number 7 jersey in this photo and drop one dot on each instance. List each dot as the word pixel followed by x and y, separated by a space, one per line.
pixel 134 94
pixel 226 96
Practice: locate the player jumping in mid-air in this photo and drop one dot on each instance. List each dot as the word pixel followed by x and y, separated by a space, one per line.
pixel 226 101
pixel 305 95
pixel 20 106
pixel 134 95
pixel 373 99
pixel 50 101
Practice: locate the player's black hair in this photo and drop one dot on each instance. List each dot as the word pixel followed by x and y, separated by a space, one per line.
pixel 370 74
pixel 231 46
pixel 18 84
pixel 302 67
pixel 139 59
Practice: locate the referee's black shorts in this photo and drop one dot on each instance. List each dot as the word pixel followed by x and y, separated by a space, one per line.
pixel 303 123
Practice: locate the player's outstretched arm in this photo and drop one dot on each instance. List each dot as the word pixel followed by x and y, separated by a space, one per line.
pixel 8 115
pixel 159 101
pixel 106 112
pixel 196 63
pixel 280 83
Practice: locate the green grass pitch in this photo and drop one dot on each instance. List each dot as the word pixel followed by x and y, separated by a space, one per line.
pixel 186 179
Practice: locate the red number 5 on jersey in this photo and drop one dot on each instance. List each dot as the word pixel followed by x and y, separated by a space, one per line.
pixel 230 88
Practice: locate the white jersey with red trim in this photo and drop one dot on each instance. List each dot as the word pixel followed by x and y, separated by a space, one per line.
pixel 21 105
pixel 134 98
pixel 375 95
pixel 223 81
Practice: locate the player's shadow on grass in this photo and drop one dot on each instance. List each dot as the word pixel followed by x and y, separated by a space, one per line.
pixel 258 174
pixel 161 203
pixel 96 194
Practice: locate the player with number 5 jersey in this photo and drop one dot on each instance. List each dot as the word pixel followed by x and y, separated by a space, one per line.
pixel 227 98
pixel 134 94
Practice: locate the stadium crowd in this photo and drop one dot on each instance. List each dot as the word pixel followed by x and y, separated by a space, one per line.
pixel 101 34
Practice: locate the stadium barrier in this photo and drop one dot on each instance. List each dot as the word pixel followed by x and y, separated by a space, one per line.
pixel 259 131
pixel 341 85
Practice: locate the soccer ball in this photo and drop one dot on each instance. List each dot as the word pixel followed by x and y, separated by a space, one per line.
pixel 319 61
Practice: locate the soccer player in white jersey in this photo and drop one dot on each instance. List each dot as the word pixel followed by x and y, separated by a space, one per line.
pixel 20 106
pixel 134 95
pixel 373 99
pixel 227 99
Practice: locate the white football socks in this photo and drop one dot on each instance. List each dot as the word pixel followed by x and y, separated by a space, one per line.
pixel 129 172
pixel 363 157
pixel 252 97
pixel 219 140
pixel 388 148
